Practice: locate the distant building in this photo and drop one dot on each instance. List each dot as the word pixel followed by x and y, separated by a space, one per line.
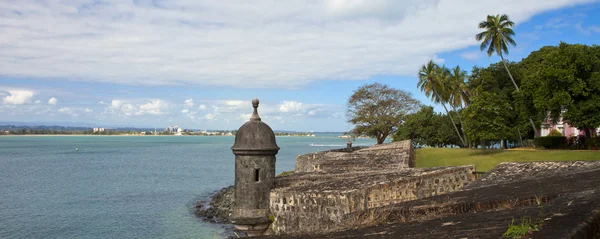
pixel 562 126
pixel 98 129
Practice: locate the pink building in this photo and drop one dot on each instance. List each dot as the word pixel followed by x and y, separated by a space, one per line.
pixel 563 127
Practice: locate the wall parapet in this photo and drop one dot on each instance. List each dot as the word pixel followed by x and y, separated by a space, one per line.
pixel 310 208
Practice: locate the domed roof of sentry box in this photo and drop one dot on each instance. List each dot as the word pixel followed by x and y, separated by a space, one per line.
pixel 255 137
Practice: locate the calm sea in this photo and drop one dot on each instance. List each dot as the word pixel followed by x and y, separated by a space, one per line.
pixel 121 186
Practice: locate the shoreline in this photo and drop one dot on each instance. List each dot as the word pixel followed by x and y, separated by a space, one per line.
pixel 217 209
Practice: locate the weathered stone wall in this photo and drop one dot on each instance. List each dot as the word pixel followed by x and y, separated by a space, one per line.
pixel 392 155
pixel 321 207
pixel 511 172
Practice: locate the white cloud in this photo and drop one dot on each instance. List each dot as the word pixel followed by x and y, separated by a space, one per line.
pixel 74 111
pixel 156 107
pixel 127 108
pixel 290 106
pixel 52 101
pixel 202 107
pixel 18 97
pixel 245 117
pixel 189 102
pixel 586 30
pixel 185 111
pixel 230 106
pixel 38 101
pixel 209 116
pixel 244 44
pixel 70 111
pixel 116 104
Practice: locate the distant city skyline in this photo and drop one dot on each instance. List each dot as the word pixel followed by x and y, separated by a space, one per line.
pixel 199 64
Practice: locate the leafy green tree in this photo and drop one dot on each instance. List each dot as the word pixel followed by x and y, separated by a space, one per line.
pixel 496 38
pixel 565 80
pixel 432 80
pixel 427 127
pixel 493 79
pixel 376 110
pixel 487 117
pixel 419 127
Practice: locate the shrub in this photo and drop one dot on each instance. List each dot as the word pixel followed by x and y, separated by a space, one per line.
pixel 593 143
pixel 551 142
pixel 520 230
pixel 286 173
pixel 555 132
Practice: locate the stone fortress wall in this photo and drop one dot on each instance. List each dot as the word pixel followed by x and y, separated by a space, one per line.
pixel 328 185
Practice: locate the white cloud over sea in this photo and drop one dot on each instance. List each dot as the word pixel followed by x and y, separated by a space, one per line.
pixel 265 44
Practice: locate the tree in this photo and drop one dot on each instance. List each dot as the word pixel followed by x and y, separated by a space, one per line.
pixel 564 80
pixel 458 93
pixel 496 38
pixel 431 82
pixel 493 79
pixel 427 127
pixel 377 110
pixel 486 117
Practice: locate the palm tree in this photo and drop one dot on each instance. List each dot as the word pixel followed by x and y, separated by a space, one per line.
pixel 431 82
pixel 458 93
pixel 496 38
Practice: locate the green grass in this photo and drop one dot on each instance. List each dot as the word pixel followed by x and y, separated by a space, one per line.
pixel 484 160
pixel 520 230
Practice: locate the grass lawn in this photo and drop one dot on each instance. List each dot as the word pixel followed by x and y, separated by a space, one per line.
pixel 484 160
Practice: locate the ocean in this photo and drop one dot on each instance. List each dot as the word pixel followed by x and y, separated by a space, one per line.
pixel 122 186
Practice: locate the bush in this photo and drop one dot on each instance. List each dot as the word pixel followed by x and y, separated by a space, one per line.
pixel 551 142
pixel 555 132
pixel 594 143
pixel 286 173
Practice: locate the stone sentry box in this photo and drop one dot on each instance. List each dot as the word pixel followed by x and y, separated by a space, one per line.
pixel 254 149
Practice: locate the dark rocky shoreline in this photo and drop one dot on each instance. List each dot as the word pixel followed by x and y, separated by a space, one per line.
pixel 219 208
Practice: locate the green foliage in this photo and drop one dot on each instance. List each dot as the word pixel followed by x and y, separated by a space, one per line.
pixel 520 230
pixel 594 143
pixel 271 218
pixel 565 79
pixel 487 118
pixel 427 128
pixel 376 110
pixel 493 79
pixel 443 87
pixel 497 35
pixel 551 142
pixel 555 132
pixel 286 173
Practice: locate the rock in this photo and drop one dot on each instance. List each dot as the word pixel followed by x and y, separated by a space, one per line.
pixel 219 208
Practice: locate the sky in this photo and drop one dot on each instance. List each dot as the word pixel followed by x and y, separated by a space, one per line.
pixel 199 64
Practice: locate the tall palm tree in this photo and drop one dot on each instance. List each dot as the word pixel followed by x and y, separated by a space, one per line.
pixel 496 38
pixel 458 94
pixel 431 82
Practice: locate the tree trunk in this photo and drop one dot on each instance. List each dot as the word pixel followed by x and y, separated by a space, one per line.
pixel 380 138
pixel 461 126
pixel 535 131
pixel 453 124
pixel 520 137
pixel 588 134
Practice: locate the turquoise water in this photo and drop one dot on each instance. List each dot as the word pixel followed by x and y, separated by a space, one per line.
pixel 121 186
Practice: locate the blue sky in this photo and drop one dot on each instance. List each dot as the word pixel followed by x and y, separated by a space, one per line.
pixel 198 64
